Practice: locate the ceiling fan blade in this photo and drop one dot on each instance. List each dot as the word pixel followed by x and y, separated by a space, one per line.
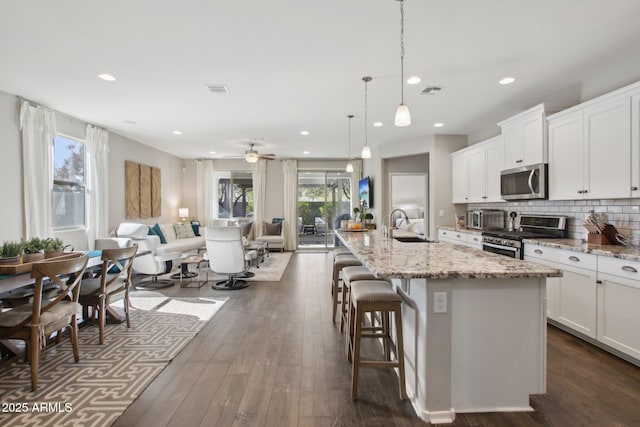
pixel 267 157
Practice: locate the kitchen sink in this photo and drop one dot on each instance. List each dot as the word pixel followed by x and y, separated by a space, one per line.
pixel 413 239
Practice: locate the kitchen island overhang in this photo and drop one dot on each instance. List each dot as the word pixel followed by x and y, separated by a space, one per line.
pixel 486 351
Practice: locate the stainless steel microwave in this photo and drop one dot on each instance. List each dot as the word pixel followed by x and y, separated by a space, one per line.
pixel 526 182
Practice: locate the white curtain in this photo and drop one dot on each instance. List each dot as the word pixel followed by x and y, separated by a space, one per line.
pixel 356 176
pixel 259 172
pixel 290 169
pixel 97 184
pixel 38 125
pixel 205 191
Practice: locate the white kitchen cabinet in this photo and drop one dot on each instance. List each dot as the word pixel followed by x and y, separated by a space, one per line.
pixel 459 177
pixel 635 145
pixel 466 238
pixel 524 138
pixel 571 299
pixel 618 301
pixel 584 141
pixel 476 172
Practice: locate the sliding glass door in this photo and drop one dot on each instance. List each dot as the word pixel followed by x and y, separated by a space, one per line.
pixel 324 198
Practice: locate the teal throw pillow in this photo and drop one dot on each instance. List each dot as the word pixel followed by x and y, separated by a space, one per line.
pixel 196 227
pixel 158 232
pixel 277 220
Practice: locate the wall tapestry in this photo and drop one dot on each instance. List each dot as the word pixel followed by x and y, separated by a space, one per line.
pixel 142 191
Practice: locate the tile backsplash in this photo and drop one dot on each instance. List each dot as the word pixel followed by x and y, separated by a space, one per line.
pixel 624 214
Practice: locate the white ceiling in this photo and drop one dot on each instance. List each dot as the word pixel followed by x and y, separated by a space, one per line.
pixel 292 65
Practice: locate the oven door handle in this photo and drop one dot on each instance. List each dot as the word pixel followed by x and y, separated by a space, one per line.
pixel 506 248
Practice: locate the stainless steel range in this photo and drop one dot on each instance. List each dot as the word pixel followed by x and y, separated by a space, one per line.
pixel 509 243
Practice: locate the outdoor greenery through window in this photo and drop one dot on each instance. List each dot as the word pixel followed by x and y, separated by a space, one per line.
pixel 68 183
pixel 235 194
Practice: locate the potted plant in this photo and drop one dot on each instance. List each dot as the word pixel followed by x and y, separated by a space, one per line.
pixel 358 214
pixel 33 250
pixel 368 218
pixel 11 252
pixel 53 247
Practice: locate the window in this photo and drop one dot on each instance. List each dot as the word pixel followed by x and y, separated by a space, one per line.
pixel 68 183
pixel 235 194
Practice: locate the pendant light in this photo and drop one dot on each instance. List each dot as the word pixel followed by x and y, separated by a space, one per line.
pixel 403 116
pixel 366 151
pixel 349 165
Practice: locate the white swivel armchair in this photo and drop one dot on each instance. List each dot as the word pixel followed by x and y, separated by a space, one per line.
pixel 227 256
pixel 150 264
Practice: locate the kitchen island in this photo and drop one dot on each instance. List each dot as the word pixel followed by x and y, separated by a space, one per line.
pixel 474 323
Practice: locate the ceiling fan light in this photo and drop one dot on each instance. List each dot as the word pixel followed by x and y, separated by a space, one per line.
pixel 403 116
pixel 251 157
pixel 366 152
pixel 349 167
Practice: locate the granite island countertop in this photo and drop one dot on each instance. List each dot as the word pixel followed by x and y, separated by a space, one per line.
pixel 613 251
pixel 439 260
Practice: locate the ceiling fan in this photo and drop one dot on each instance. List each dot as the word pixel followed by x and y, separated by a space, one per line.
pixel 251 155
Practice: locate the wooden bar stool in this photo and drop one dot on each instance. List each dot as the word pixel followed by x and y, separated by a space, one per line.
pixel 339 263
pixel 351 274
pixel 371 296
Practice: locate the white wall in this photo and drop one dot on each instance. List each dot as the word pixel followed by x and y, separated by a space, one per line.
pixel 121 149
pixel 12 223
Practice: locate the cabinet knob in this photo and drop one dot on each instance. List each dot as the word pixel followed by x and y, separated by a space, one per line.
pixel 634 188
pixel 538 251
pixel 629 269
pixel 519 161
pixel 475 239
pixel 585 191
pixel 599 282
pixel 574 258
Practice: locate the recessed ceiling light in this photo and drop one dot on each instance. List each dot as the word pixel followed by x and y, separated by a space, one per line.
pixel 304 132
pixel 107 77
pixel 507 80
pixel 413 80
pixel 212 152
pixel 438 125
pixel 176 132
pixel 305 152
pixel 377 124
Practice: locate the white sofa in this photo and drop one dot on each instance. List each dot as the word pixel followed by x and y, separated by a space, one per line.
pixel 141 232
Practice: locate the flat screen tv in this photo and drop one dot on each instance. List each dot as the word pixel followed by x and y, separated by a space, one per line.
pixel 366 192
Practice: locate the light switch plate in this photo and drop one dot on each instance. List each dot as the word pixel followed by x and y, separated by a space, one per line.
pixel 439 302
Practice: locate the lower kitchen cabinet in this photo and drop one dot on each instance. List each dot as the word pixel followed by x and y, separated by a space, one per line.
pixel 466 238
pixel 597 296
pixel 618 305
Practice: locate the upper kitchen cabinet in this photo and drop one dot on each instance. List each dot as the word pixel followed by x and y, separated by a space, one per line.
pixel 635 144
pixel 524 138
pixel 476 172
pixel 590 148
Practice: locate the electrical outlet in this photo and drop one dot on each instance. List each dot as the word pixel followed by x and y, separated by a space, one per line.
pixel 439 302
pixel 441 212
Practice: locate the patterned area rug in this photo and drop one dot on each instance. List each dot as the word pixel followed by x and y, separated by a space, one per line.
pixel 95 391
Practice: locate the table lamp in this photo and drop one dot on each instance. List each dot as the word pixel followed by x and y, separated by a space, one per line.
pixel 183 213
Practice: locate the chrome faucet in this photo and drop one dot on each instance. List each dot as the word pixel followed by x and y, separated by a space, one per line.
pixel 392 227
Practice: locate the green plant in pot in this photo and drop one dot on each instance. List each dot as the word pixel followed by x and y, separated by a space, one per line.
pixel 358 213
pixel 368 218
pixel 53 247
pixel 11 252
pixel 33 249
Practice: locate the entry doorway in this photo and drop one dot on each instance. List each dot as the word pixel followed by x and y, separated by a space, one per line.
pixel 324 198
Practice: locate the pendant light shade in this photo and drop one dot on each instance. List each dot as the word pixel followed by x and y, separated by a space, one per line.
pixel 349 167
pixel 366 152
pixel 403 116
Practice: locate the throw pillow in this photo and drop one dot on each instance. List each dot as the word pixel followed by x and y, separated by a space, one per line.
pixel 272 229
pixel 169 232
pixel 196 228
pixel 183 231
pixel 158 232
pixel 246 229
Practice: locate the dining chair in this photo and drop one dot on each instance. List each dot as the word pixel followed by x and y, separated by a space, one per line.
pixel 35 321
pixel 111 285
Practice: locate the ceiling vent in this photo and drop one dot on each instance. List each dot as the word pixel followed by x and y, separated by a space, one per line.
pixel 430 90
pixel 217 88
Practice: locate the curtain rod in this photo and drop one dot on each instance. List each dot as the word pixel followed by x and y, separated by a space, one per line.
pixel 64 115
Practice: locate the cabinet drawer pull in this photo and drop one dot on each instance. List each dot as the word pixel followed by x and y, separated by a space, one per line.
pixel 475 239
pixel 458 236
pixel 599 282
pixel 518 161
pixel 444 233
pixel 574 258
pixel 538 251
pixel 629 269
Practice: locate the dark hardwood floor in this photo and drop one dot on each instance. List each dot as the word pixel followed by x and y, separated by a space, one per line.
pixel 272 357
